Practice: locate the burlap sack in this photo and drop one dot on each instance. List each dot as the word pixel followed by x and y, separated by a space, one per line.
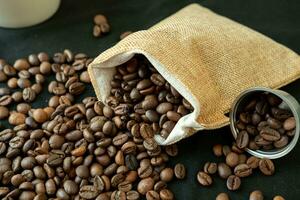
pixel 208 58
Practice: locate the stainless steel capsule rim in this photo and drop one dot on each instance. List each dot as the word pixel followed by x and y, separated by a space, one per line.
pixel 292 104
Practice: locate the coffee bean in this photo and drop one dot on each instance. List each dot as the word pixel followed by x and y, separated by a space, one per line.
pixel 29 95
pixel 282 142
pixel 269 134
pixel 4 112
pixel 145 185
pixel 163 108
pixel 180 171
pixel 253 162
pixel 217 149
pixel 222 196
pixel 131 162
pixel 166 194
pixel 289 124
pixel 256 195
pixel 16 118
pixel 267 167
pixel 167 174
pixel 88 192
pixel 242 170
pixel 232 159
pixel 242 139
pixel 210 168
pixel 280 114
pixel 278 197
pixel 224 170
pixel 204 179
pixel 233 182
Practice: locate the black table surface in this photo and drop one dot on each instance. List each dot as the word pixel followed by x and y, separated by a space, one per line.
pixel 71 27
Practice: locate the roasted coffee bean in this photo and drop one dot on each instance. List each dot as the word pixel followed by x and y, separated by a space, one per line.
pixel 262 107
pixel 5 100
pixel 222 196
pixel 217 149
pixel 242 170
pixel 256 195
pixel 269 134
pixel 280 114
pixel 131 162
pixel 242 140
pixel 282 142
pixel 253 162
pixel 166 174
pixel 204 179
pixel 278 197
pixel 29 95
pixel 224 170
pixel 233 182
pixel 88 192
pixel 145 185
pixel 289 124
pixel 180 171
pixel 166 194
pixel 4 112
pixel 267 167
pixel 232 159
pixel 16 118
pixel 210 168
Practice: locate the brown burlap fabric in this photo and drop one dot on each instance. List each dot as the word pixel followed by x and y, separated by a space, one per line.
pixel 208 58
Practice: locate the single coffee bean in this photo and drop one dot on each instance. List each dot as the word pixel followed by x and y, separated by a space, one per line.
pixel 233 182
pixel 152 195
pixel 4 112
pixel 269 134
pixel 262 107
pixel 289 124
pixel 222 196
pixel 282 142
pixel 88 192
pixel 232 159
pixel 278 197
pixel 204 179
pixel 166 174
pixel 242 170
pixel 5 100
pixel 16 118
pixel 253 162
pixel 242 140
pixel 210 168
pixel 180 171
pixel 267 167
pixel 166 194
pixel 256 195
pixel 217 149
pixel 224 170
pixel 145 185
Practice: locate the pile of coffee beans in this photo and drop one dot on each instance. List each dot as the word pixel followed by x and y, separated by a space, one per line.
pixel 237 165
pixel 255 195
pixel 101 25
pixel 145 102
pixel 263 124
pixel 78 148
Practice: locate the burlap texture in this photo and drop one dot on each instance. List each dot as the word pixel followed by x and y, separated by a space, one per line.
pixel 208 58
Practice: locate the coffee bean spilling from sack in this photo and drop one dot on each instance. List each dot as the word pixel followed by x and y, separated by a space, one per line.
pixel 73 149
pixel 264 125
pixel 145 102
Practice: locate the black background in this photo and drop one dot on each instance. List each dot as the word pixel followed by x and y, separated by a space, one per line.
pixel 71 27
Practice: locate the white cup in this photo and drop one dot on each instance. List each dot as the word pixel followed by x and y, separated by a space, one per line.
pixel 23 13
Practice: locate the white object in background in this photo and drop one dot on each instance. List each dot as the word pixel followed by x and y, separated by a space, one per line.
pixel 22 13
